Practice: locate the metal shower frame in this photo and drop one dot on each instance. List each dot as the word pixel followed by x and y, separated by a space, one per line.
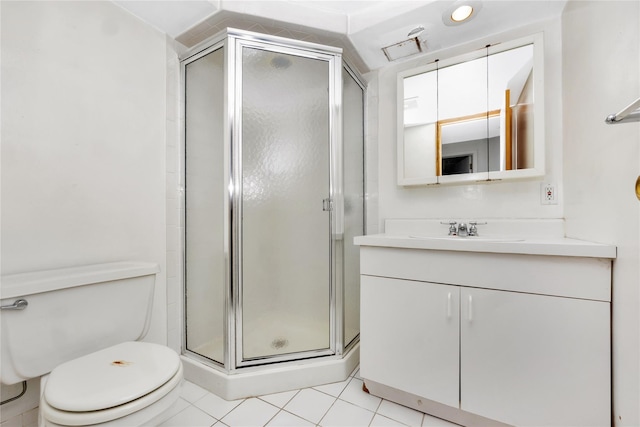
pixel 233 41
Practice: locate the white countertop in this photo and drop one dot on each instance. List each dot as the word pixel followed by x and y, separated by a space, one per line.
pixel 493 244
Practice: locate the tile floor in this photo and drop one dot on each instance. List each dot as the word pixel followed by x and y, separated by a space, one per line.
pixel 338 404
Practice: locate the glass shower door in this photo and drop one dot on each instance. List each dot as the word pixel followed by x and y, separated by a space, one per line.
pixel 285 284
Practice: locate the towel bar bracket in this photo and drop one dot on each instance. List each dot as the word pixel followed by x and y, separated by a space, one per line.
pixel 631 113
pixel 20 304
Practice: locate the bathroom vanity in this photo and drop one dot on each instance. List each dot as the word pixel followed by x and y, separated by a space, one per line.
pixel 488 331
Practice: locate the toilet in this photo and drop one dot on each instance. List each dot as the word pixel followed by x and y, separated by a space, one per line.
pixel 79 329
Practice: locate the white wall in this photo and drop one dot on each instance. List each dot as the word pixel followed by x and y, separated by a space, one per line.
pixel 83 141
pixel 601 75
pixel 491 200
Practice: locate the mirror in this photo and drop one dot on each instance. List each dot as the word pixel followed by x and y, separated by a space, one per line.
pixel 471 118
pixel 470 140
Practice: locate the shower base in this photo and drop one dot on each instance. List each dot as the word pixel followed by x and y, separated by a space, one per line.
pixel 275 378
pixel 286 334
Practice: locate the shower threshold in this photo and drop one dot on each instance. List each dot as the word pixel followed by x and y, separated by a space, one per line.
pixel 273 378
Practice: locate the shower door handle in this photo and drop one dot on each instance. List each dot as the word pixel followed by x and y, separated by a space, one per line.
pixel 327 205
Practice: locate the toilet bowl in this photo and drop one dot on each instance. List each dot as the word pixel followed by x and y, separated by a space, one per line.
pixel 79 332
pixel 128 384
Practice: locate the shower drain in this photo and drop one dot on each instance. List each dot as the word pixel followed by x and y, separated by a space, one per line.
pixel 279 343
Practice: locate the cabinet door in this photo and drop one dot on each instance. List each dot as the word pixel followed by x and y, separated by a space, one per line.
pixel 533 359
pixel 409 337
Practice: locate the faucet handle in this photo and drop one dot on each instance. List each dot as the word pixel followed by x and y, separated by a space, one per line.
pixel 473 230
pixel 452 227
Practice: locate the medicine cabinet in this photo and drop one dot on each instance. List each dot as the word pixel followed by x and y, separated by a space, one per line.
pixel 474 117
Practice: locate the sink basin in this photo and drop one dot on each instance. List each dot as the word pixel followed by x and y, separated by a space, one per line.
pixel 469 238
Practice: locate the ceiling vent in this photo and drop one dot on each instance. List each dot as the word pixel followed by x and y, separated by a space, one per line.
pixel 403 49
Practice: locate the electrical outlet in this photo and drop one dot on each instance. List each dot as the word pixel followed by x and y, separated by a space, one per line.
pixel 548 194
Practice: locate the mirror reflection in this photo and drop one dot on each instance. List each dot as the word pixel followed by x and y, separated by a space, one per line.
pixel 471 140
pixel 474 116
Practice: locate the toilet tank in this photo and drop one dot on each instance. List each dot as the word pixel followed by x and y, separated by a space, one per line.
pixel 71 312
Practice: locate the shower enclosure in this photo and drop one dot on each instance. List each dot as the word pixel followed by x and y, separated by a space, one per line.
pixel 274 194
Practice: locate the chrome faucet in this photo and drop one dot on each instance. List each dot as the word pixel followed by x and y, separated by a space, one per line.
pixel 452 227
pixel 473 230
pixel 462 230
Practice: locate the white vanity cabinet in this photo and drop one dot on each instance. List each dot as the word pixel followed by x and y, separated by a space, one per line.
pixel 422 317
pixel 535 360
pixel 488 338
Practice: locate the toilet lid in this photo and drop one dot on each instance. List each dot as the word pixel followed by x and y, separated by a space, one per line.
pixel 110 377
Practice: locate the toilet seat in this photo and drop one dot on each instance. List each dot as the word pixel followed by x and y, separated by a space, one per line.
pixel 110 384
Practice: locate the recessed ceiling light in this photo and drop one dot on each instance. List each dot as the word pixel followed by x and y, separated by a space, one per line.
pixel 461 13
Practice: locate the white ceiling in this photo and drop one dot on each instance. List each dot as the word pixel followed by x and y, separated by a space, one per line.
pixel 368 25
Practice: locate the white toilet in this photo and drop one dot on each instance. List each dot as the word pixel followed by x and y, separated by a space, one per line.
pixel 79 331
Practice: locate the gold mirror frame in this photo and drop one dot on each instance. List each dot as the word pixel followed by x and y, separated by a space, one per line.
pixel 479 116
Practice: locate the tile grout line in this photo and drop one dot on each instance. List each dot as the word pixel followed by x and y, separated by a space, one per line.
pixel 219 419
pixel 281 407
pixel 278 408
pixel 274 415
pixel 298 416
pixel 190 404
pixel 352 377
pixel 336 398
pixel 325 414
pixel 286 403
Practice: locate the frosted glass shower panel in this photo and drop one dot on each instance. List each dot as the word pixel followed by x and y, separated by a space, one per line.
pixel 205 281
pixel 286 234
pixel 353 182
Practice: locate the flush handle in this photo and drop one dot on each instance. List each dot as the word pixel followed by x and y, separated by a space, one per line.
pixel 20 304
